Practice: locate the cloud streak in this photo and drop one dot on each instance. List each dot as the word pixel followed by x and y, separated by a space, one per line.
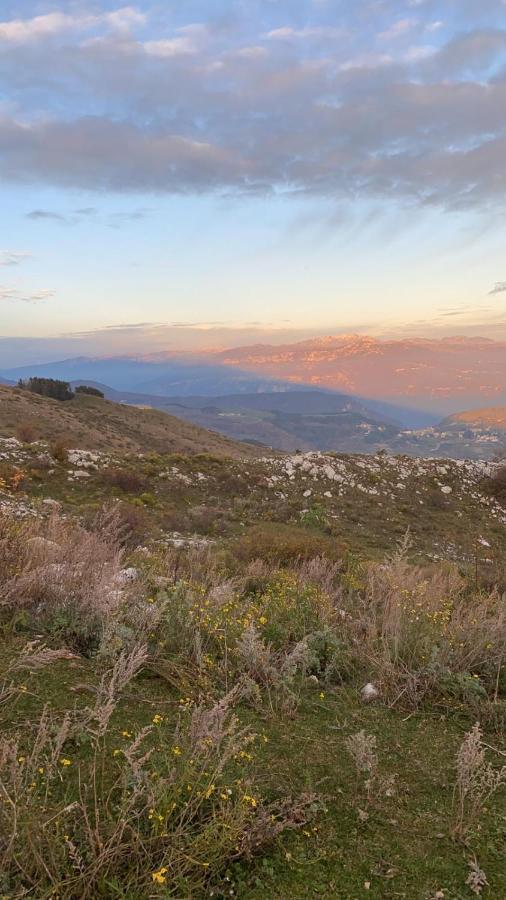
pixel 17 296
pixel 499 288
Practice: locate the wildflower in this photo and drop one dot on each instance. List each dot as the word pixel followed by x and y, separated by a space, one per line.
pixel 322 695
pixel 116 752
pixel 176 751
pixel 159 876
pixel 250 801
pixel 65 762
pixel 157 719
pixel 126 734
pixel 262 620
pixel 21 760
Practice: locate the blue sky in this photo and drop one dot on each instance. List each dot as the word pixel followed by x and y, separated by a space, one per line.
pixel 182 174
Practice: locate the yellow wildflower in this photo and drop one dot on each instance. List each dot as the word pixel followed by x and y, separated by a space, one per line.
pixel 159 876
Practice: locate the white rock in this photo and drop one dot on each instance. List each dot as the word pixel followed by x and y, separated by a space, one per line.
pixel 369 692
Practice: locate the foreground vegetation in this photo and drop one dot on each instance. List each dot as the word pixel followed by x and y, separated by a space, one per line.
pixel 239 720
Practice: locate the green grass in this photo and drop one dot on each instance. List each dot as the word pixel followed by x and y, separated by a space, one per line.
pixel 402 848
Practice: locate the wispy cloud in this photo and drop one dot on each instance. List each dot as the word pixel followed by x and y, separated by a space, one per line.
pixel 17 296
pixel 499 288
pixel 13 257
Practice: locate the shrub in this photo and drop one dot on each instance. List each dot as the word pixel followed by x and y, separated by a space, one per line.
pixel 283 544
pixel 125 479
pixel 88 389
pixel 25 432
pixel 496 485
pixel 477 781
pixel 62 577
pixel 59 450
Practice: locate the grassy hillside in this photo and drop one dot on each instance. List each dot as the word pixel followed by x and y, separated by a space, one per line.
pixel 254 677
pixel 96 424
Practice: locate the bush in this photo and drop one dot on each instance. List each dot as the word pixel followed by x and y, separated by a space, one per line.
pixel 48 387
pixel 125 479
pixel 25 432
pixel 59 450
pixel 88 389
pixel 283 544
pixel 63 578
pixel 496 485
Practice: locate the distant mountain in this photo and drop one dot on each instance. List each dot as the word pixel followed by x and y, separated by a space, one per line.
pixel 415 381
pixel 438 375
pixel 490 418
pixel 179 375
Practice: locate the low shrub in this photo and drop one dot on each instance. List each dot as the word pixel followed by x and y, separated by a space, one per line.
pixel 26 433
pixel 126 480
pixel 283 544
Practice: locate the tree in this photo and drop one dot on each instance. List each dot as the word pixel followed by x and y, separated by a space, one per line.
pixel 47 387
pixel 88 389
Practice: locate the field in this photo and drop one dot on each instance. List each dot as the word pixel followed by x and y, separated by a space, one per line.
pixel 251 677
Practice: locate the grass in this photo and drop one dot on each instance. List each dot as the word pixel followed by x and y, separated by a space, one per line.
pixel 96 424
pixel 185 732
pixel 402 849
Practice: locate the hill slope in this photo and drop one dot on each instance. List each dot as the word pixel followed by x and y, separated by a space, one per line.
pixel 493 417
pixel 96 424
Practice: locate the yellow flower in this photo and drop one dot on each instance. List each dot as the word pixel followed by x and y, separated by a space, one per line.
pixel 322 695
pixel 116 752
pixel 176 751
pixel 126 734
pixel 159 876
pixel 249 800
pixel 262 620
pixel 65 762
pixel 157 719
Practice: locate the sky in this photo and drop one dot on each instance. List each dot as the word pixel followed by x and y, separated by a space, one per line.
pixel 207 173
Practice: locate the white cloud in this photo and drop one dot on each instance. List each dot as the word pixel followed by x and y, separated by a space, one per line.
pixel 20 31
pixel 13 257
pixel 8 293
pixel 288 33
pixel 178 46
pixel 398 29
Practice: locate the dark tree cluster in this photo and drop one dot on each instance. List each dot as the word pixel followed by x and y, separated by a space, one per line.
pixel 88 389
pixel 48 387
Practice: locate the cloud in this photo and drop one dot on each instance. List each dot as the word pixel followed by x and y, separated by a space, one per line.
pixel 288 33
pixel 90 213
pixel 19 31
pixel 236 107
pixel 8 293
pixel 499 288
pixel 178 46
pixel 13 257
pixel 37 214
pixel 398 29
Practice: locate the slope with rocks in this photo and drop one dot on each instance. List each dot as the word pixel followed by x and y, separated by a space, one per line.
pixel 93 423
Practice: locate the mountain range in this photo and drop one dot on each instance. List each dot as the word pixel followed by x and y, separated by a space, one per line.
pixel 428 378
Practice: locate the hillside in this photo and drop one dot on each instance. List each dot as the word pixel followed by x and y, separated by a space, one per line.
pixel 252 677
pixel 96 424
pixel 493 417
